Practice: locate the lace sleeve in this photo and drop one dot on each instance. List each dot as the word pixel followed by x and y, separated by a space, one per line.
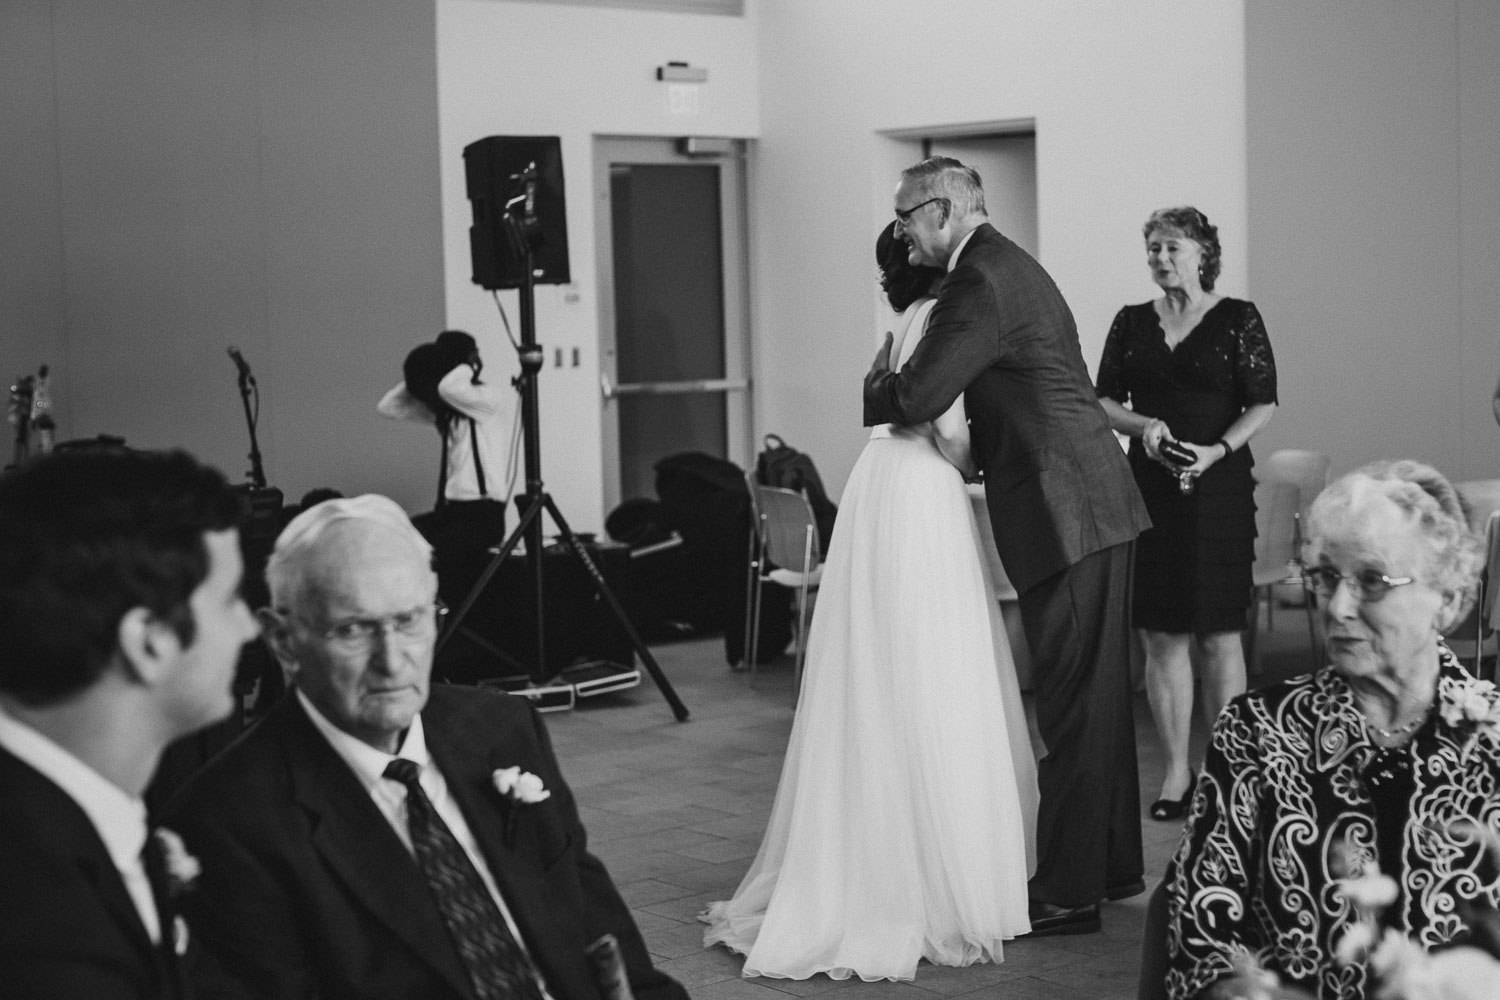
pixel 1111 382
pixel 1255 366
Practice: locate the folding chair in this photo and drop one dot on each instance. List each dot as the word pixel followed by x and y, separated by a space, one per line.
pixel 784 550
pixel 1474 637
pixel 1276 562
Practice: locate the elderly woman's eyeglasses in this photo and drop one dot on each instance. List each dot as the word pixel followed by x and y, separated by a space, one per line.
pixel 1368 585
pixel 359 633
pixel 903 215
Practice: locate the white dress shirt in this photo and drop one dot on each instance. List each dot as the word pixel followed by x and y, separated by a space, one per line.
pixel 117 816
pixel 953 257
pixel 389 796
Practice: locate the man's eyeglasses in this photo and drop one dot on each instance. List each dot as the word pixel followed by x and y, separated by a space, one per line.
pixel 359 633
pixel 1368 585
pixel 903 215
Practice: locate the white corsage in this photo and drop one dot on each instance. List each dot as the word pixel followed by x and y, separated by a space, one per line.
pixel 1470 703
pixel 182 868
pixel 520 786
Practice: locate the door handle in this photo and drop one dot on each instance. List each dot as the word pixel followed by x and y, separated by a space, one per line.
pixel 611 390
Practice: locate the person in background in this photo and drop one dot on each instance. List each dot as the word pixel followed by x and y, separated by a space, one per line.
pixel 1384 763
pixel 381 837
pixel 443 386
pixel 1190 377
pixel 122 621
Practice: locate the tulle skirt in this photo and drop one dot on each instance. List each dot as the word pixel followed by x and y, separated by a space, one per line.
pixel 904 822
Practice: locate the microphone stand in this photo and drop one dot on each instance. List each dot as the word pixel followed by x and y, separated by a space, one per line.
pixel 536 496
pixel 248 387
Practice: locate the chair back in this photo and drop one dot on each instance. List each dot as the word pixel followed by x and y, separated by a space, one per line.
pixel 1482 497
pixel 788 529
pixel 1275 532
pixel 1469 637
pixel 1490 602
pixel 1304 469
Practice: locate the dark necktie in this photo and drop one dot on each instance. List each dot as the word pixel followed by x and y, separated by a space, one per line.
pixel 493 957
pixel 154 859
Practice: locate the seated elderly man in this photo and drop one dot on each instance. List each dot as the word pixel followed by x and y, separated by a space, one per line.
pixel 376 837
pixel 1385 761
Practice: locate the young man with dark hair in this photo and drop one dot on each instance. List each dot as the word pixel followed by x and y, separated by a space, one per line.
pixel 122 621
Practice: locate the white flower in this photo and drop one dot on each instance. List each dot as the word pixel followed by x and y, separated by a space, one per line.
pixel 1356 943
pixel 1370 891
pixel 522 786
pixel 1471 701
pixel 182 868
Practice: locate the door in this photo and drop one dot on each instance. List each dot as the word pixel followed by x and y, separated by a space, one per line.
pixel 1007 169
pixel 673 353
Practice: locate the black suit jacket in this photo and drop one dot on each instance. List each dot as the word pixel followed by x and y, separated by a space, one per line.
pixel 68 928
pixel 1056 481
pixel 308 892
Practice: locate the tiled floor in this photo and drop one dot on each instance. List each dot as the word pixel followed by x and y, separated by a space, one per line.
pixel 677 809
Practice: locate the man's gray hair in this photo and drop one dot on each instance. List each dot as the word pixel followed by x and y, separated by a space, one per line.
pixel 945 177
pixel 297 540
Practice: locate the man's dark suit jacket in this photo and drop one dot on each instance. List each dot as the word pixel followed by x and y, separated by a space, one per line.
pixel 68 928
pixel 1055 479
pixel 308 892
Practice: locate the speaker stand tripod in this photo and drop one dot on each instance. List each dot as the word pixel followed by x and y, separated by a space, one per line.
pixel 538 500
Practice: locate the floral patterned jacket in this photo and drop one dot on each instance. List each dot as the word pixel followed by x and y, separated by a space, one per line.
pixel 1282 811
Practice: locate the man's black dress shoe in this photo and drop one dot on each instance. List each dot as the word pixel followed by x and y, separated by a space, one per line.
pixel 1048 919
pixel 1124 890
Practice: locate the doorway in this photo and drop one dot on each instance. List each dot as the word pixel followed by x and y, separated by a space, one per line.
pixel 673 351
pixel 1004 154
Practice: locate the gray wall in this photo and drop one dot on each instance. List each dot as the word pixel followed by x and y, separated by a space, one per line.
pixel 178 177
pixel 1374 205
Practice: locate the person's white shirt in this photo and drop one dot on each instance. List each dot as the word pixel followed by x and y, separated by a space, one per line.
pixel 117 816
pixel 491 405
pixel 953 257
pixel 369 764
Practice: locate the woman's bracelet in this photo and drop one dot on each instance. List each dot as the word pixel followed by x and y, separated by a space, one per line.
pixel 1227 449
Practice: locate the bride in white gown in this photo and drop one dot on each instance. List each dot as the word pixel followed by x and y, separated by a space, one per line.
pixel 904 823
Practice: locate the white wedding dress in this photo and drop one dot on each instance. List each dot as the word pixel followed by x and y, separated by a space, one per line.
pixel 904 823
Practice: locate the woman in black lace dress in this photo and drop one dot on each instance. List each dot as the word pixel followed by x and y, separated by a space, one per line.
pixel 1192 372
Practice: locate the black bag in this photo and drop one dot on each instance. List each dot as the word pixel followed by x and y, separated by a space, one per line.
pixel 704 499
pixel 785 466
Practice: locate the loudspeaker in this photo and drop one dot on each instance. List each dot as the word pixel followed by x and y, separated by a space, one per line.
pixel 492 169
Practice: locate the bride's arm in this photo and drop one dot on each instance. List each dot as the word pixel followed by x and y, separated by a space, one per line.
pixel 950 432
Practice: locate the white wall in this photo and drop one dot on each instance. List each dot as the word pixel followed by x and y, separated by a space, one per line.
pixel 1138 104
pixel 1126 122
pixel 1374 182
pixel 575 72
pixel 176 178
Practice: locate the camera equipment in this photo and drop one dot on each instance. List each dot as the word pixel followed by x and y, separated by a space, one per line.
pixel 1176 453
pixel 525 215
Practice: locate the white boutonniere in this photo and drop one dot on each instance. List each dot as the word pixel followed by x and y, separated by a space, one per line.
pixel 520 786
pixel 182 868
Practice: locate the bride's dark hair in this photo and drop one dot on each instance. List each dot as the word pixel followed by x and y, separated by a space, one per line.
pixel 903 282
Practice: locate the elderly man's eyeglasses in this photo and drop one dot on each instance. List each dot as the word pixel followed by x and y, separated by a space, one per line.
pixel 359 633
pixel 1368 585
pixel 903 215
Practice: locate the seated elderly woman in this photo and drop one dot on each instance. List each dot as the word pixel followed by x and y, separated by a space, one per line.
pixel 1388 756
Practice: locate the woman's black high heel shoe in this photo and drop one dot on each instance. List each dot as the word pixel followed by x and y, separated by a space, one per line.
pixel 1168 810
